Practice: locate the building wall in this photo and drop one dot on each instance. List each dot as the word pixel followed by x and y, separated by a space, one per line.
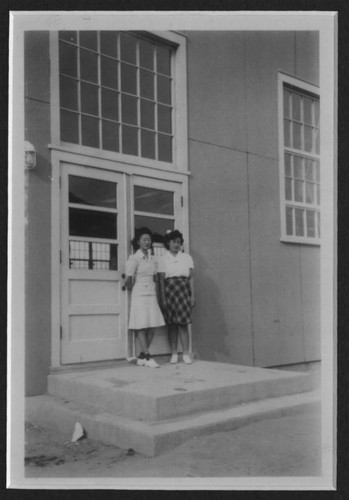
pixel 258 298
pixel 38 216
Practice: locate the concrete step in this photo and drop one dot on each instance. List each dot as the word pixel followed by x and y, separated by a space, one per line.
pixel 154 438
pixel 171 391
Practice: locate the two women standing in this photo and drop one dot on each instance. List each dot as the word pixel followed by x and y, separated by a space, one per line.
pixel 175 292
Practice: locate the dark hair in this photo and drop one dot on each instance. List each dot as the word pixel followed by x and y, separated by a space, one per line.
pixel 173 235
pixel 139 232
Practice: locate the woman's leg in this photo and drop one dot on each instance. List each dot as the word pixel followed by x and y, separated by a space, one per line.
pixel 173 338
pixel 184 338
pixel 141 337
pixel 149 336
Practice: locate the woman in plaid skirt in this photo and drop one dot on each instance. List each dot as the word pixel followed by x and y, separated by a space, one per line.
pixel 177 293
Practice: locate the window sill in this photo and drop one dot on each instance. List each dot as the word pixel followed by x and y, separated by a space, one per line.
pixel 301 241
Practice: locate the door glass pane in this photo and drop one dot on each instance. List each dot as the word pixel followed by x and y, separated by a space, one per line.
pixel 92 224
pixel 110 136
pixel 157 226
pixel 69 126
pixel 146 54
pixel 317 141
pixel 288 189
pixel 89 99
pixel 286 104
pixel 68 93
pixel 110 104
pixel 317 113
pixel 128 48
pixel 129 109
pixel 109 72
pixel 93 192
pixel 310 215
pixel 307 107
pixel 90 131
pixel 93 255
pixel 289 220
pixel 70 36
pixel 88 39
pixel 129 140
pixel 153 200
pixel 288 167
pixel 298 191
pixel 164 119
pixel 297 137
pixel 309 169
pixel 109 43
pixel 147 114
pixel 147 84
pixel 164 89
pixel 88 66
pixel 165 148
pixel 298 167
pixel 128 79
pixel 163 60
pixel 299 222
pixel 296 107
pixel 148 144
pixel 68 59
pixel 310 192
pixel 308 138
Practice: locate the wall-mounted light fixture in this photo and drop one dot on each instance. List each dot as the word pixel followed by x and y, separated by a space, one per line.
pixel 30 155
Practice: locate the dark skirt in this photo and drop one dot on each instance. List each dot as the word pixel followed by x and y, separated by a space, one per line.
pixel 178 303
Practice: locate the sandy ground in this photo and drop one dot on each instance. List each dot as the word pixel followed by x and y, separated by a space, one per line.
pixel 287 446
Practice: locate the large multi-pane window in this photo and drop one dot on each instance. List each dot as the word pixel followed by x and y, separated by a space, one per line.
pixel 301 162
pixel 116 93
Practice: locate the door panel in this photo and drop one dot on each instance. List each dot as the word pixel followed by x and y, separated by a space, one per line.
pixel 94 307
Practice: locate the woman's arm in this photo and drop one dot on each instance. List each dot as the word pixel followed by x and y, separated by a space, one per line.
pixel 129 282
pixel 162 289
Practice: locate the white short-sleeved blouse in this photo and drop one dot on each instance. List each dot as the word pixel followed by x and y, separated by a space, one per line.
pixel 178 265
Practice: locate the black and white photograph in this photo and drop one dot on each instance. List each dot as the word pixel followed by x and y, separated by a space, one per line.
pixel 172 250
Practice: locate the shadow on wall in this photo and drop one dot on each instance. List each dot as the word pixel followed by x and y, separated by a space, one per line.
pixel 209 328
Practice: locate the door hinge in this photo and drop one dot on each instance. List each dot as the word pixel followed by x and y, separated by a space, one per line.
pixel 182 201
pixel 61 332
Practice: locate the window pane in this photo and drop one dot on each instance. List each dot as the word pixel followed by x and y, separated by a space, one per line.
pixel 109 43
pixel 286 104
pixel 88 39
pixel 68 93
pixel 89 131
pixel 89 99
pixel 317 141
pixel 164 148
pixel 70 36
pixel 92 192
pixel 163 60
pixel 164 119
pixel 296 107
pixel 147 144
pixel 287 133
pixel 307 110
pixel 153 200
pixel 298 167
pixel 128 48
pixel 68 62
pixel 310 215
pixel 318 194
pixel 164 89
pixel 298 191
pixel 110 104
pixel 147 84
pixel 318 219
pixel 147 114
pixel 288 166
pixel 297 135
pixel 157 226
pixel 109 73
pixel 317 169
pixel 92 224
pixel 288 189
pixel 128 79
pixel 110 136
pixel 310 192
pixel 88 66
pixel 129 140
pixel 146 54
pixel 69 126
pixel 308 138
pixel 129 109
pixel 289 220
pixel 317 113
pixel 309 169
pixel 299 222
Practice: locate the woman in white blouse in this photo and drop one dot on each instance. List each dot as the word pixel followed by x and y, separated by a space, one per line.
pixel 177 293
pixel 145 313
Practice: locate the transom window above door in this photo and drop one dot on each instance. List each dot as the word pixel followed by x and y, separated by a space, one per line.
pixel 116 93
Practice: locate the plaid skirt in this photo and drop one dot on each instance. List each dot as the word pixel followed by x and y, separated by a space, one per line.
pixel 178 304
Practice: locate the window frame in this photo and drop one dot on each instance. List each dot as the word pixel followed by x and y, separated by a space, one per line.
pixel 304 87
pixel 179 162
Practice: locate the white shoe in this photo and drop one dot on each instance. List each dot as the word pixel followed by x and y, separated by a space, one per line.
pixel 141 361
pixel 151 363
pixel 187 359
pixel 174 358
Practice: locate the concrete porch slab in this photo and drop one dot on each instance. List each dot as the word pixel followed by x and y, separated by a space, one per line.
pixel 172 391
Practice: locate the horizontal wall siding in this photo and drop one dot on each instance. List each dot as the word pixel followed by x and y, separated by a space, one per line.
pixel 38 227
pixel 264 309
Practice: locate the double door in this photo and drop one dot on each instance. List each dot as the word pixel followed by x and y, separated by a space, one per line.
pixel 100 211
